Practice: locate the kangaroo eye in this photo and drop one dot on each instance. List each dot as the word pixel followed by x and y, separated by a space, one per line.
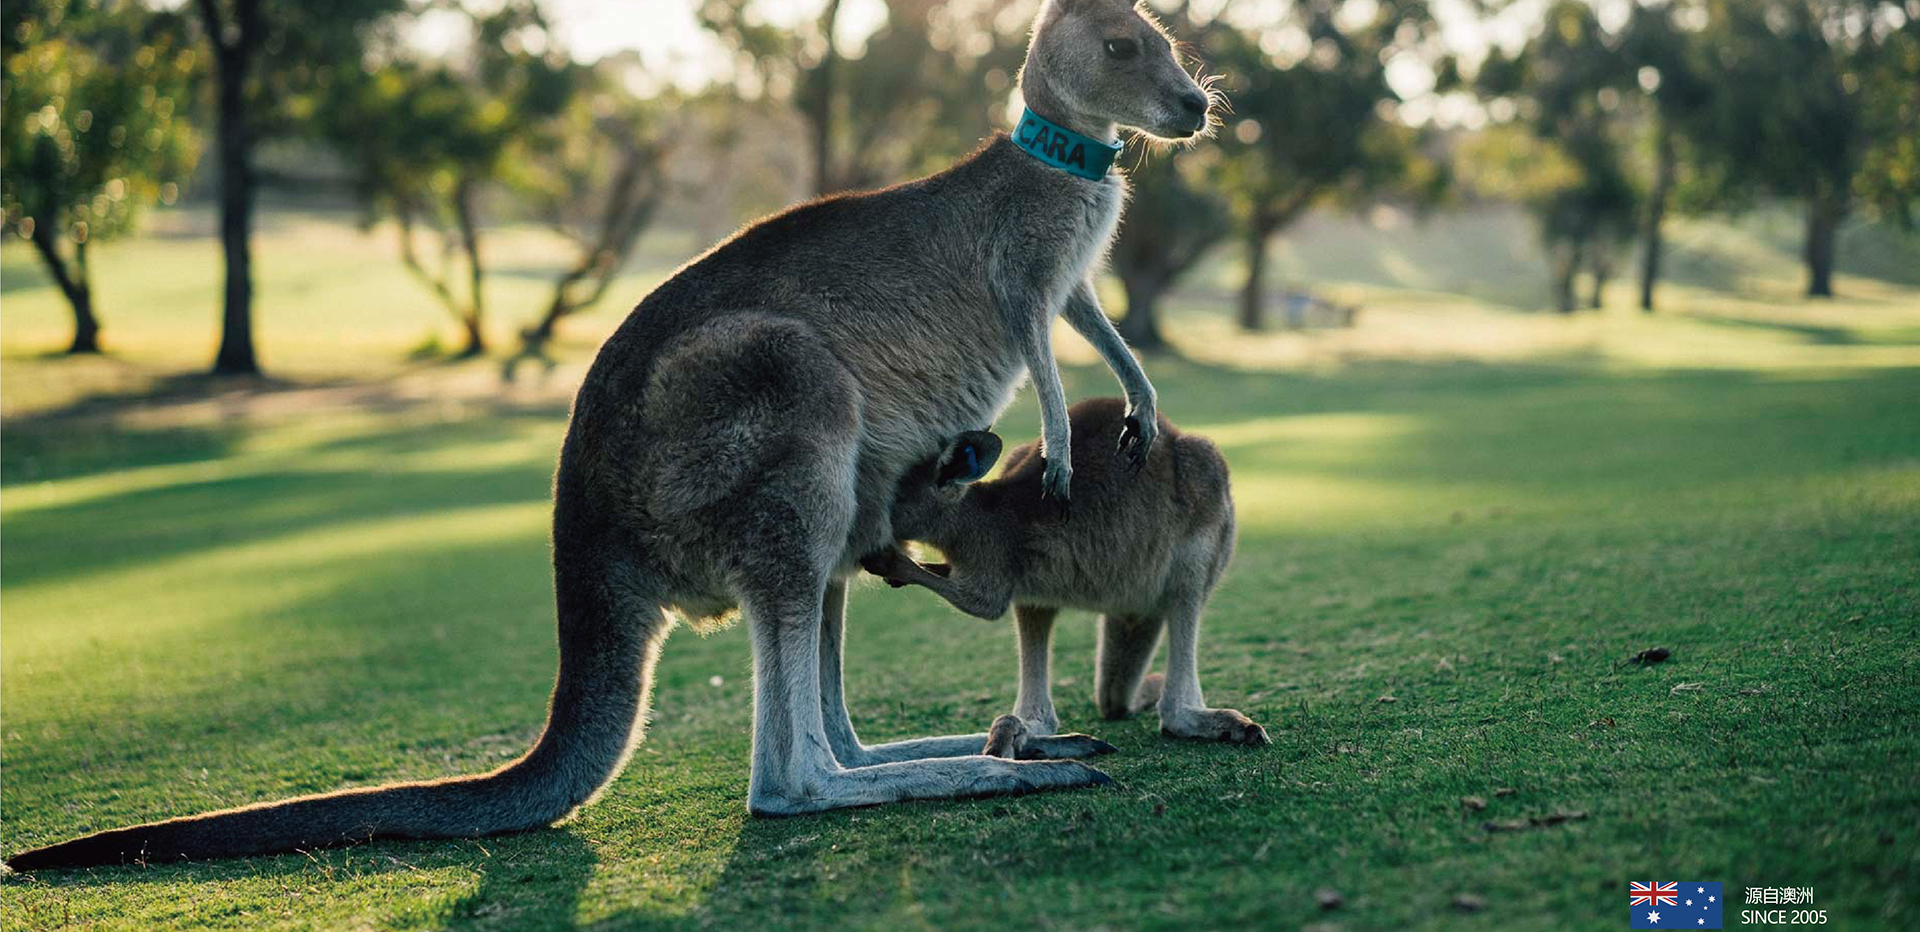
pixel 1122 48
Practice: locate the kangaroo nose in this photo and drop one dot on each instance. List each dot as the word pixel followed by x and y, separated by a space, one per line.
pixel 1194 102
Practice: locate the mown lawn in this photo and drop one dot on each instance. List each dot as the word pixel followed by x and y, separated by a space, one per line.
pixel 1450 548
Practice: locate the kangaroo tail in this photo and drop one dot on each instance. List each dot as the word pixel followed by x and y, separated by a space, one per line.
pixel 610 634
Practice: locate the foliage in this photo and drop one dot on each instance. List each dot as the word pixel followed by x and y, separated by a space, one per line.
pixel 598 180
pixel 469 126
pixel 1889 178
pixel 91 131
pixel 1813 101
pixel 1173 219
pixel 922 90
pixel 294 50
pixel 1573 79
pixel 1312 122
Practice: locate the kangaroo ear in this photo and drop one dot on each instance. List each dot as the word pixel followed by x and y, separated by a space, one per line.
pixel 970 456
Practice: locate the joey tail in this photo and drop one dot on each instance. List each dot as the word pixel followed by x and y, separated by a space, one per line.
pixel 610 630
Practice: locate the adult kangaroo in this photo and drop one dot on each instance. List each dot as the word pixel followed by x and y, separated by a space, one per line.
pixel 738 441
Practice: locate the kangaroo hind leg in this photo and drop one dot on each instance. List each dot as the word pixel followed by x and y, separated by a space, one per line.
pixel 782 538
pixel 1183 710
pixel 1030 732
pixel 794 768
pixel 1120 684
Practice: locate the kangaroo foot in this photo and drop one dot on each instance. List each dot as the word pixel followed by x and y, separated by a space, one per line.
pixel 1214 725
pixel 1011 737
pixel 943 778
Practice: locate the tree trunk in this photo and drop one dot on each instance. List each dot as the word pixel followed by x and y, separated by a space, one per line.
pixel 233 59
pixel 1141 327
pixel 1602 270
pixel 1253 294
pixel 463 215
pixel 86 327
pixel 820 108
pixel 1823 219
pixel 1566 267
pixel 1663 172
pixel 73 285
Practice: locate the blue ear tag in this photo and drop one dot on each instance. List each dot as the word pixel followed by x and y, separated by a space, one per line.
pixel 973 463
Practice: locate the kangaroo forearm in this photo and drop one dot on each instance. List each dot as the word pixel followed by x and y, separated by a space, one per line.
pixel 1055 431
pixel 1088 319
pixel 973 595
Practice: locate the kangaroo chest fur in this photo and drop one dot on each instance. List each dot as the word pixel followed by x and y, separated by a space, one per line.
pixel 1041 232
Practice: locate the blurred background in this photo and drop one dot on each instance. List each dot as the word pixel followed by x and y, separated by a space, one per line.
pixel 359 189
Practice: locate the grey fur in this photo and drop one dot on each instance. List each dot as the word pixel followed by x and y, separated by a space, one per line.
pixel 737 442
pixel 1144 549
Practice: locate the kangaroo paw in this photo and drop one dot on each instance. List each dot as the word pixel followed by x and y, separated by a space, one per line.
pixel 1011 737
pixel 1007 737
pixel 1225 725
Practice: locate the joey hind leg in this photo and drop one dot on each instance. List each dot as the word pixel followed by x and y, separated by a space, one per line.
pixel 1035 702
pixel 1028 733
pixel 1120 685
pixel 1183 710
pixel 1022 744
pixel 1012 737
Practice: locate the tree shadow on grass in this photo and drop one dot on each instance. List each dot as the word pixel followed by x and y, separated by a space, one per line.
pixel 1806 333
pixel 148 419
pixel 149 523
pixel 526 879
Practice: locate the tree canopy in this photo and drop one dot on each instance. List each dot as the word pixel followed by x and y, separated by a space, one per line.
pixel 92 129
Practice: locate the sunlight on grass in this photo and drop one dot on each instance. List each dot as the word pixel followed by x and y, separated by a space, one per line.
pixel 1294 500
pixel 220 596
pixel 1348 433
pixel 67 613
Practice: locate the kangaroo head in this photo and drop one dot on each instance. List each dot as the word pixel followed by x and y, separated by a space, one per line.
pixel 934 487
pixel 1108 62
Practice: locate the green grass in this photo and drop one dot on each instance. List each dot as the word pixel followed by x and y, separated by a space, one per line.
pixel 1478 514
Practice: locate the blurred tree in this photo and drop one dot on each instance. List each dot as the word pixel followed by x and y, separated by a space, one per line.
pixel 1889 178
pixel 1173 218
pixel 468 125
pixel 598 185
pixel 1571 78
pixel 88 134
pixel 1670 66
pixel 1814 100
pixel 782 57
pixel 1312 117
pixel 919 91
pixel 1585 223
pixel 268 56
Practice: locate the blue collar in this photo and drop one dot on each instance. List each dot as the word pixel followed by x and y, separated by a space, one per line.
pixel 1063 148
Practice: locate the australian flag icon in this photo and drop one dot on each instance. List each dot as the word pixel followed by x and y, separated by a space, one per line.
pixel 1693 904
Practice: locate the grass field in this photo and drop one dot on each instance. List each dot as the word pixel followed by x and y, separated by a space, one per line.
pixel 1458 522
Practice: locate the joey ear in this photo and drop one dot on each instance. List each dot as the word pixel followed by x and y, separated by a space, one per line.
pixel 969 457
